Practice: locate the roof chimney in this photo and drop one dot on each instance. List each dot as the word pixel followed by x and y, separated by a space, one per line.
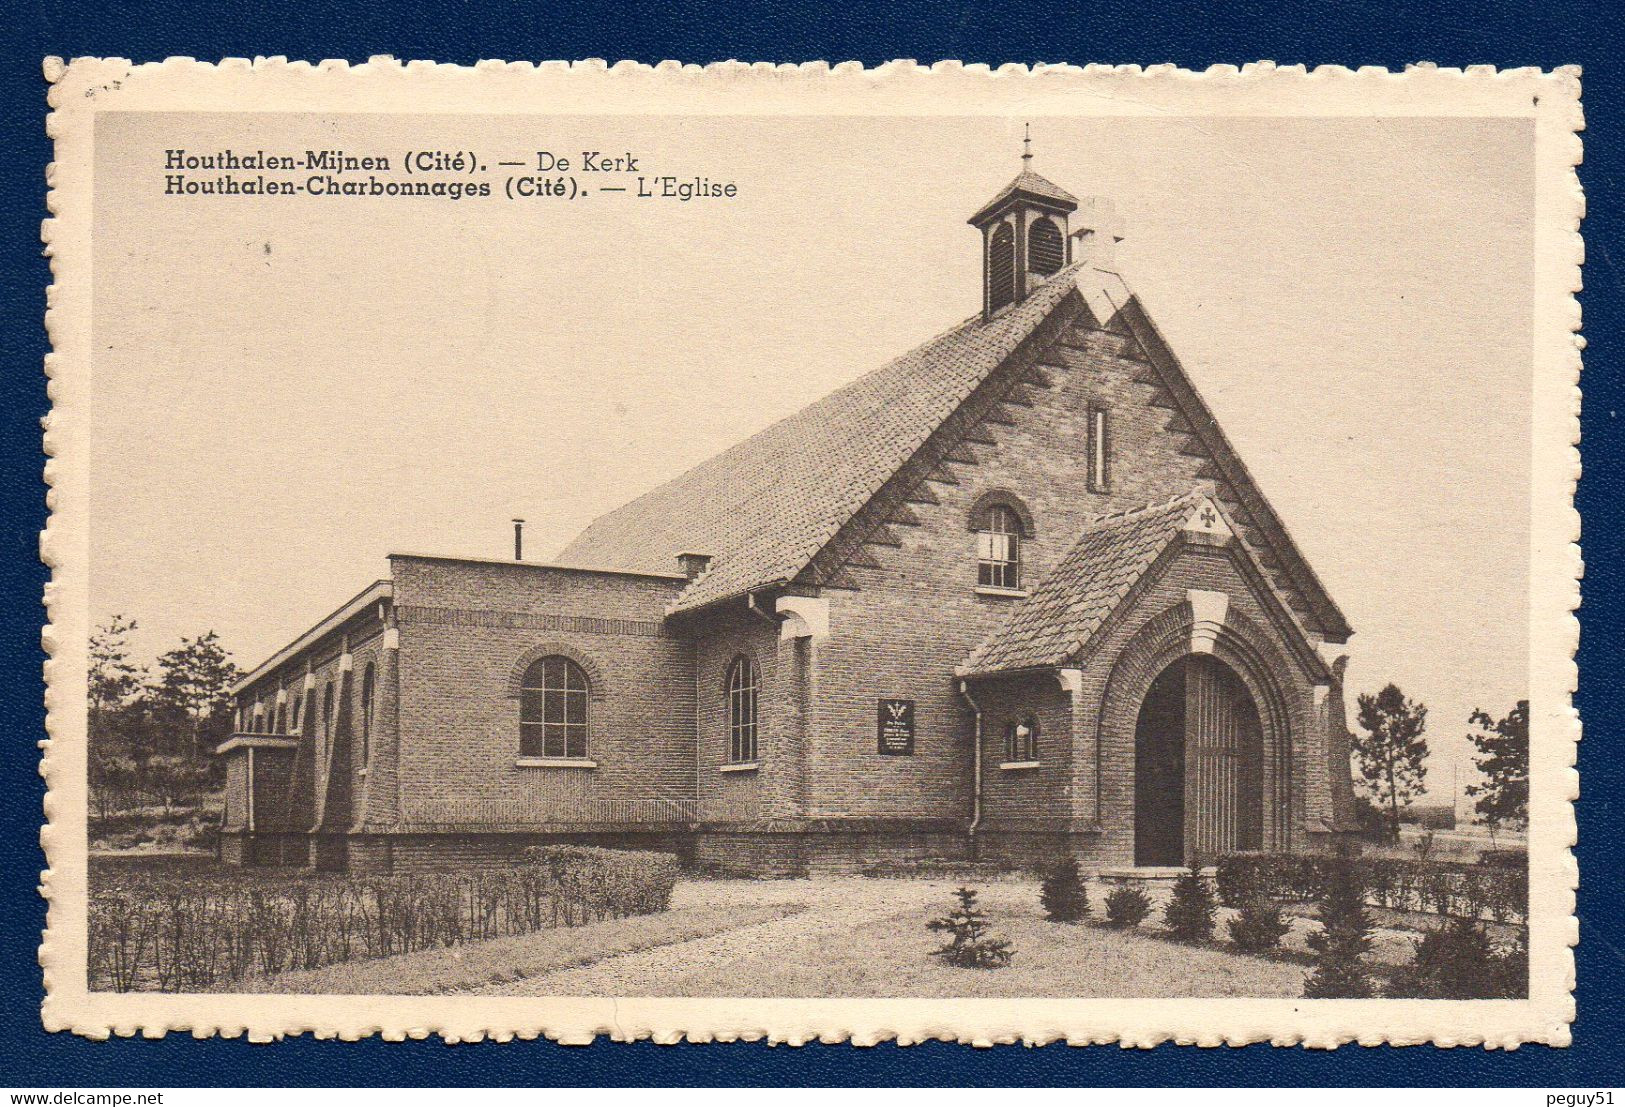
pixel 519 540
pixel 693 564
pixel 1096 233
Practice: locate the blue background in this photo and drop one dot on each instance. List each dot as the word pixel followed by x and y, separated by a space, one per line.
pixel 1308 31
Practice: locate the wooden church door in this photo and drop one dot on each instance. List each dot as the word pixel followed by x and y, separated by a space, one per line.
pixel 1223 766
pixel 1198 766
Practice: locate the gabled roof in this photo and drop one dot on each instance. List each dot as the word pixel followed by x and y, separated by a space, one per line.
pixel 1066 609
pixel 765 507
pixel 1030 184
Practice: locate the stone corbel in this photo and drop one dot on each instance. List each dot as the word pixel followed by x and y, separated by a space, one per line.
pixel 310 682
pixel 392 638
pixel 1208 610
pixel 804 617
pixel 1336 657
pixel 1071 681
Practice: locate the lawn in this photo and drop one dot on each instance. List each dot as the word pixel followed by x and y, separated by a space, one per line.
pixel 869 938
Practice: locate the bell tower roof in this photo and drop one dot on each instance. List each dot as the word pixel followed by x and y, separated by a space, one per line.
pixel 1039 191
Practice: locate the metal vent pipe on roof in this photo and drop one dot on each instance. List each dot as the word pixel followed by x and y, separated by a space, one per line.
pixel 519 540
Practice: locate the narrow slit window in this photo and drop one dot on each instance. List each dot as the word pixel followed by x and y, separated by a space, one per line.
pixel 1099 449
pixel 744 683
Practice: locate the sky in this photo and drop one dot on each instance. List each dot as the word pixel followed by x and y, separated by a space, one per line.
pixel 287 390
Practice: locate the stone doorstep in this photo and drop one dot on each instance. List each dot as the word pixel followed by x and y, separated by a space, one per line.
pixel 1149 874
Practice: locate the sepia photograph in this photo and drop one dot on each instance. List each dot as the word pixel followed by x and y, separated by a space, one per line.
pixel 782 550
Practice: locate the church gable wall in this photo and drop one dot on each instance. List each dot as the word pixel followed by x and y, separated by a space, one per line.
pixel 917 615
pixel 468 630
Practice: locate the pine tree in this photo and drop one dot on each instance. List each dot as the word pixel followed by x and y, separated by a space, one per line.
pixel 1503 758
pixel 1190 910
pixel 1455 961
pixel 1391 754
pixel 971 944
pixel 114 678
pixel 1063 894
pixel 194 687
pixel 1343 939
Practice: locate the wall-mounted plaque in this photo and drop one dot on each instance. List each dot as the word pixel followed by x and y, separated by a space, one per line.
pixel 895 726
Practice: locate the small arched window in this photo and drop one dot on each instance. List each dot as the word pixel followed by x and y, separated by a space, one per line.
pixel 744 683
pixel 298 711
pixel 553 700
pixel 1046 251
pixel 282 718
pixel 1001 267
pixel 367 680
pixel 1021 739
pixel 998 548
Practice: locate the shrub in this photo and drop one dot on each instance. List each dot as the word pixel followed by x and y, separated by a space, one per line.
pixel 1063 894
pixel 607 882
pixel 1489 890
pixel 1455 961
pixel 1127 907
pixel 1504 858
pixel 1258 927
pixel 1343 939
pixel 1189 914
pixel 184 930
pixel 970 943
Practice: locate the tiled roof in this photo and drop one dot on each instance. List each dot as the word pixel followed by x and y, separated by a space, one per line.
pixel 1056 621
pixel 765 507
pixel 1031 183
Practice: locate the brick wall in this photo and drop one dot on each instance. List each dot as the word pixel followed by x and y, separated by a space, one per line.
pixel 917 616
pixel 468 631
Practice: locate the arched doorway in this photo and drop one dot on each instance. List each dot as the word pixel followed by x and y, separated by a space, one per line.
pixel 1198 765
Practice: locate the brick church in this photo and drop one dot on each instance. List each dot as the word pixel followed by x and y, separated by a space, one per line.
pixel 1010 596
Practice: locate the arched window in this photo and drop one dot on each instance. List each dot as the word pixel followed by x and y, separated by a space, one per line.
pixel 553 701
pixel 298 711
pixel 1021 739
pixel 1001 267
pixel 366 715
pixel 743 684
pixel 282 717
pixel 1046 252
pixel 998 548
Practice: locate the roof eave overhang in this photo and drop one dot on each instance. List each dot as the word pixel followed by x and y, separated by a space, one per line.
pixel 1037 199
pixel 375 592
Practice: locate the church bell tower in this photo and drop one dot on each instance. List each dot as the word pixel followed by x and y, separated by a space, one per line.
pixel 1024 235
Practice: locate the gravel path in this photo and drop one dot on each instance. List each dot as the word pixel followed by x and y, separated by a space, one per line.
pixel 835 906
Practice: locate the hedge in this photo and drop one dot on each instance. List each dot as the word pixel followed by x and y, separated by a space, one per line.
pixel 174 932
pixel 1446 888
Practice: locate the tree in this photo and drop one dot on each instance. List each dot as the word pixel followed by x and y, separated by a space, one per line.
pixel 1063 894
pixel 970 945
pixel 1343 938
pixel 114 678
pixel 1503 758
pixel 1391 754
pixel 194 686
pixel 1190 910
